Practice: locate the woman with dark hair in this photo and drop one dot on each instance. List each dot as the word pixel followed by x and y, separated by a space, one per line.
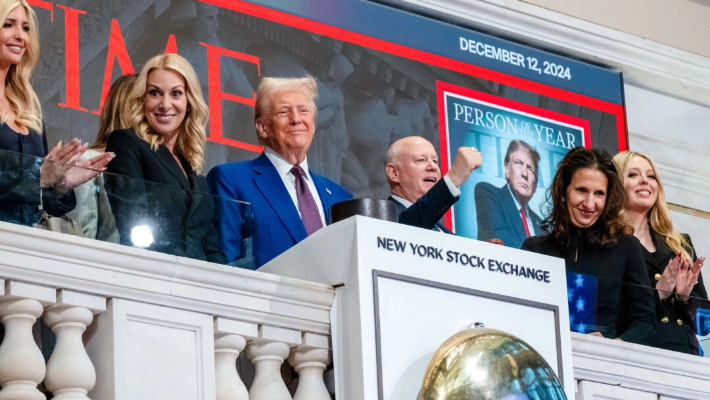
pixel 587 230
pixel 672 265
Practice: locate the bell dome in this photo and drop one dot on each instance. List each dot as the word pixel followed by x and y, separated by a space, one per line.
pixel 488 364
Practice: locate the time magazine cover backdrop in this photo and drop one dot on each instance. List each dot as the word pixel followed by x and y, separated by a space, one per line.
pixel 382 74
pixel 490 123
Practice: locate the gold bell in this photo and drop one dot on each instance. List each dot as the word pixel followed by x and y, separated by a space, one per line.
pixel 484 363
pixel 664 320
pixel 680 321
pixel 657 276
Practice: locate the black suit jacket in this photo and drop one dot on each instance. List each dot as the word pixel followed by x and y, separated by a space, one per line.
pixel 624 304
pixel 178 208
pixel 499 218
pixel 429 209
pixel 670 335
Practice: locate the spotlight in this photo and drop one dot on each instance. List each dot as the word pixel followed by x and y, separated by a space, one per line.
pixel 141 236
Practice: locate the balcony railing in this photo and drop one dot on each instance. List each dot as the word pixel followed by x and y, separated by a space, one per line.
pixel 133 323
pixel 120 209
pixel 152 315
pixel 164 327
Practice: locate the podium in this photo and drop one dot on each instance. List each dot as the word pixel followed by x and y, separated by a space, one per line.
pixel 402 291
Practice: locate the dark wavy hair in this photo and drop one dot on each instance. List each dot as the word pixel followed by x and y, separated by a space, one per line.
pixel 610 226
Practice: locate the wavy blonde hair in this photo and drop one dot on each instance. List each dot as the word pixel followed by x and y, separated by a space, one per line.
pixel 191 135
pixel 659 217
pixel 18 90
pixel 114 115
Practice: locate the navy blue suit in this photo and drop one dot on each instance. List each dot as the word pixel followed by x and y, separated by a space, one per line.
pixel 277 225
pixel 429 209
pixel 499 218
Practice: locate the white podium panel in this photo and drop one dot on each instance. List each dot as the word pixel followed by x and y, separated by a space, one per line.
pixel 403 305
pixel 402 291
pixel 144 351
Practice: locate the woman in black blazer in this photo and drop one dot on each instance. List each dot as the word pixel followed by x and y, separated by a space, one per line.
pixel 673 267
pixel 159 184
pixel 587 230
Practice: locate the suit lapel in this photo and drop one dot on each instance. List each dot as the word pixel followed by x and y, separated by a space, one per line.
pixel 166 158
pixel 400 207
pixel 661 257
pixel 536 224
pixel 267 179
pixel 512 213
pixel 325 194
pixel 196 197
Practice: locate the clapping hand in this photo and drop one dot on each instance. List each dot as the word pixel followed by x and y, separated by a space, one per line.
pixel 61 158
pixel 66 170
pixel 84 170
pixel 669 278
pixel 688 278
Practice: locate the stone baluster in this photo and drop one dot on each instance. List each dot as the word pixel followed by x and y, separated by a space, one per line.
pixel 230 339
pixel 70 373
pixel 310 361
pixel 21 362
pixel 267 353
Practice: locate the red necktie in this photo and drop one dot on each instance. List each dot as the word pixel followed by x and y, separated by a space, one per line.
pixel 525 221
pixel 306 204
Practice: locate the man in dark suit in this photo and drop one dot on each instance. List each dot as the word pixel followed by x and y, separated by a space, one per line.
pixel 289 203
pixel 417 188
pixel 503 213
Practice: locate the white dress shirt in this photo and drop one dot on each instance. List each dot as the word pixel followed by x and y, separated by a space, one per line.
pixel 283 168
pixel 520 214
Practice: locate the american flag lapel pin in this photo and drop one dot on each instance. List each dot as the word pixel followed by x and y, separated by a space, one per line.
pixel 328 190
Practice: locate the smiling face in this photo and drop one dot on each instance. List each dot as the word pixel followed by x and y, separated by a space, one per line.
pixel 165 102
pixel 289 125
pixel 641 185
pixel 414 169
pixel 586 196
pixel 14 37
pixel 520 172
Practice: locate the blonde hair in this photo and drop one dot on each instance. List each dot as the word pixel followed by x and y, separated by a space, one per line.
pixel 191 136
pixel 114 114
pixel 659 217
pixel 18 90
pixel 270 86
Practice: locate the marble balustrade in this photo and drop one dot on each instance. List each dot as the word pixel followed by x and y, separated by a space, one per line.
pixel 133 324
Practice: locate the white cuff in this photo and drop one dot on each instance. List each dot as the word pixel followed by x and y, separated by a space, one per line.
pixel 456 192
